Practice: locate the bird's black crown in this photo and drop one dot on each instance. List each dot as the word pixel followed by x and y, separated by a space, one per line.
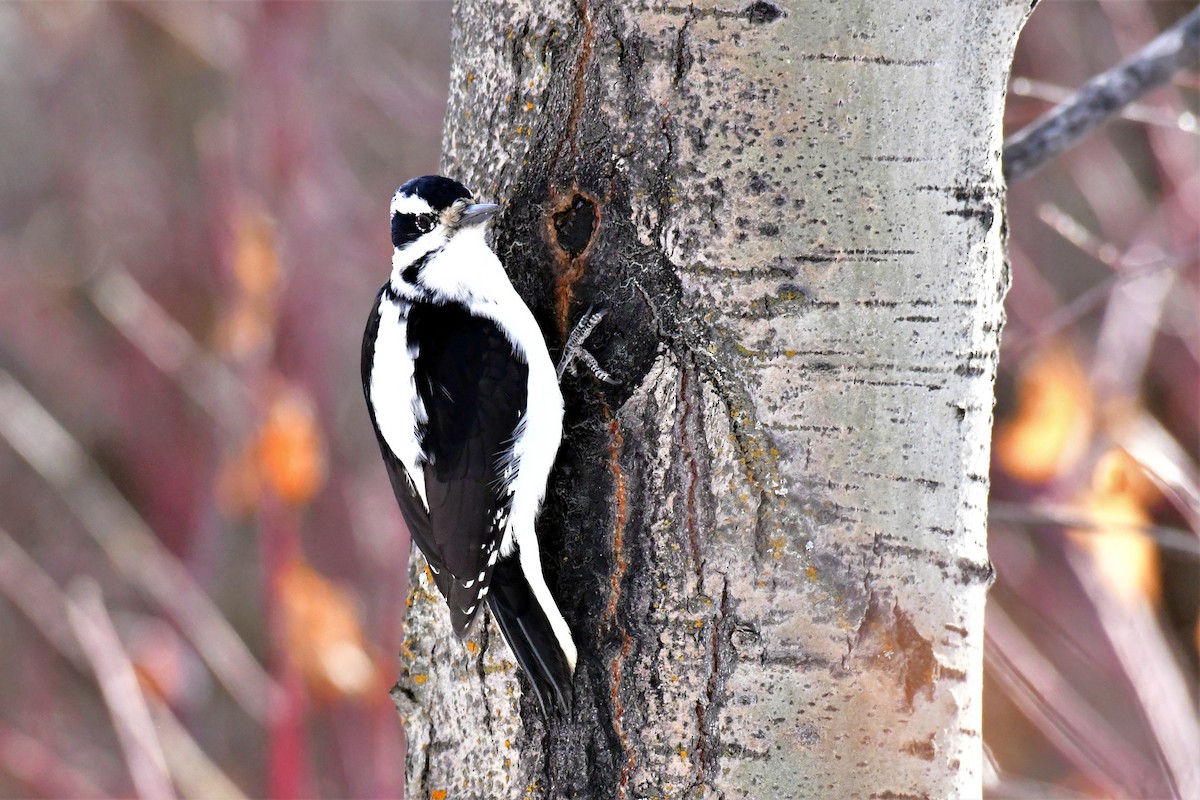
pixel 436 190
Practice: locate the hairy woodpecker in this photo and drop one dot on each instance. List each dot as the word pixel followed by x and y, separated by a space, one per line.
pixel 468 413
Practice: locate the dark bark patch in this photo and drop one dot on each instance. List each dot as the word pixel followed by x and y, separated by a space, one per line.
pixel 971 572
pixel 760 12
pixel 923 749
pixel 889 640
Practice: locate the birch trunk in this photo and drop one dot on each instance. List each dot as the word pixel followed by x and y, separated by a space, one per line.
pixel 770 538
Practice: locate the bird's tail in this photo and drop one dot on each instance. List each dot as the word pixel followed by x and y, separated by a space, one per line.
pixel 531 637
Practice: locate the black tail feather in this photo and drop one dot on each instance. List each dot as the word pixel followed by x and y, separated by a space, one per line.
pixel 530 637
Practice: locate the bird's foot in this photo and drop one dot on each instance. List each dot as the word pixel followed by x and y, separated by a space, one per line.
pixel 574 351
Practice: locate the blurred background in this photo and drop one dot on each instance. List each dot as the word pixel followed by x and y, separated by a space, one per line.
pixel 192 229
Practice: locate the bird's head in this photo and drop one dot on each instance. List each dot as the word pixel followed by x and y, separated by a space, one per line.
pixel 428 214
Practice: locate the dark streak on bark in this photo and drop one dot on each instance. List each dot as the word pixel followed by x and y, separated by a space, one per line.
pixel 709 707
pixel 857 59
pixel 616 582
pixel 887 637
pixel 484 639
pixel 684 430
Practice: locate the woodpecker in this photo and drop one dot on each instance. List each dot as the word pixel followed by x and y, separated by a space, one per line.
pixel 467 409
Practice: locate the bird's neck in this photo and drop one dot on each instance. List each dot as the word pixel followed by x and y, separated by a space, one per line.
pixel 462 269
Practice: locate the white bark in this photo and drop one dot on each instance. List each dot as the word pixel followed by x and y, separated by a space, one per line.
pixel 772 533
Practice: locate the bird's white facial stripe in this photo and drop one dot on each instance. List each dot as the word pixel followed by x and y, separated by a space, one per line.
pixel 409 204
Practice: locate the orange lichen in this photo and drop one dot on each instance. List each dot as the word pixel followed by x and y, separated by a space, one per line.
pixel 246 329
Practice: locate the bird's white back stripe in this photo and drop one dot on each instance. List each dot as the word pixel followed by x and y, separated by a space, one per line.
pixel 531 566
pixel 398 407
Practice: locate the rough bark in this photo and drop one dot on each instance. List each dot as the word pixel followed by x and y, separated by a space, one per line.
pixel 770 537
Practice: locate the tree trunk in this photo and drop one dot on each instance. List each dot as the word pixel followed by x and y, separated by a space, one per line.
pixel 769 539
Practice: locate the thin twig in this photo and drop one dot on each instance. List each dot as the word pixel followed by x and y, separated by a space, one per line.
pixel 1101 98
pixel 43 769
pixel 36 594
pixel 1153 673
pixel 165 342
pixel 1175 539
pixel 119 687
pixel 1184 121
pixel 38 597
pixel 1049 699
pixel 194 772
pixel 131 544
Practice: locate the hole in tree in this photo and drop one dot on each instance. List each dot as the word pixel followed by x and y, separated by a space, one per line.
pixel 575 224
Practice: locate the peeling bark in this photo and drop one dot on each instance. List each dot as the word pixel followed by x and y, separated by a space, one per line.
pixel 769 538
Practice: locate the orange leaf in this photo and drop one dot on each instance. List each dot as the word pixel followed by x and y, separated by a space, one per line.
pixel 290 450
pixel 1125 558
pixel 255 262
pixel 1053 420
pixel 323 636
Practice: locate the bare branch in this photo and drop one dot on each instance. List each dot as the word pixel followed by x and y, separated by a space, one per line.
pixel 1101 98
pixel 1174 539
pixel 119 686
pixel 194 772
pixel 1154 674
pixel 42 768
pixel 43 602
pixel 130 543
pixel 1050 700
pixel 166 343
pixel 38 597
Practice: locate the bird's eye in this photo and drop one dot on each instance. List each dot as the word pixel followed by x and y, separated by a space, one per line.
pixel 425 223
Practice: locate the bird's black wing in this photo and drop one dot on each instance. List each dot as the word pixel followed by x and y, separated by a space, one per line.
pixel 474 390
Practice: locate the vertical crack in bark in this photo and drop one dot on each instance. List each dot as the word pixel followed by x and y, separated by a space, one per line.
pixel 484 639
pixel 427 764
pixel 614 454
pixel 759 458
pixel 682 59
pixel 683 434
pixel 621 564
pixel 708 743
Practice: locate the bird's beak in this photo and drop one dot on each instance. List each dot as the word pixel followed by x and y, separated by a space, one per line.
pixel 477 213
